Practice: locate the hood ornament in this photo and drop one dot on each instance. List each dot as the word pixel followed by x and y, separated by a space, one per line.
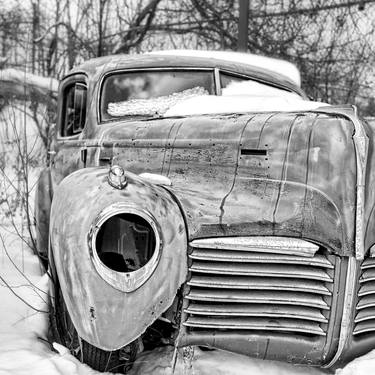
pixel 116 177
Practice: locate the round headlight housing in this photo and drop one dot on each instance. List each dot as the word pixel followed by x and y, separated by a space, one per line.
pixel 125 246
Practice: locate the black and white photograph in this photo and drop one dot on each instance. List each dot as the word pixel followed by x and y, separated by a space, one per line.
pixel 187 187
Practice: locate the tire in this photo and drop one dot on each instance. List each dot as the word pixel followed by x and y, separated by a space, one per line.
pixel 62 331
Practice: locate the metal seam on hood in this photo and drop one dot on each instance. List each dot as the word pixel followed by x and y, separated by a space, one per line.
pixel 234 175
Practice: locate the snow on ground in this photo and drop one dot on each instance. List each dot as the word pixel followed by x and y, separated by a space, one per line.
pixel 23 349
pixel 213 362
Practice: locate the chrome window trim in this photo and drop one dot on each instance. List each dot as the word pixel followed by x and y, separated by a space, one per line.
pixel 217 82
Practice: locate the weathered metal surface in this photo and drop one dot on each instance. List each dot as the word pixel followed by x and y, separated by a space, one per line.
pixel 305 186
pixel 104 316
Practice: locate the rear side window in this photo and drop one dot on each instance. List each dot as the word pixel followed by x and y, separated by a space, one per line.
pixel 74 109
pixel 238 85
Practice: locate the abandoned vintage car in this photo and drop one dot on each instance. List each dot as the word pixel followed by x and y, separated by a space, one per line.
pixel 202 200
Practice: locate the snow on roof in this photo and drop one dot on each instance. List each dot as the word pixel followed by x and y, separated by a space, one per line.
pixel 29 80
pixel 281 67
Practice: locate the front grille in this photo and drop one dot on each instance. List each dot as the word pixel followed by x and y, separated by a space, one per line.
pixel 365 317
pixel 258 288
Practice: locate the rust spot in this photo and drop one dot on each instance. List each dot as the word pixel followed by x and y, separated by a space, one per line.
pixel 92 313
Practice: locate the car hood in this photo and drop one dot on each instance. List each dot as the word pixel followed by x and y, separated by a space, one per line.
pixel 287 174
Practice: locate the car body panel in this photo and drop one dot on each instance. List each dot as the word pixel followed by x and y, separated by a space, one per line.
pixel 296 178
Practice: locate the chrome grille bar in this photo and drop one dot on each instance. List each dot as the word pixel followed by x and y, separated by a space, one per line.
pixel 236 296
pixel 266 270
pixel 290 325
pixel 260 283
pixel 304 313
pixel 275 245
pixel 365 318
pixel 272 284
pixel 237 256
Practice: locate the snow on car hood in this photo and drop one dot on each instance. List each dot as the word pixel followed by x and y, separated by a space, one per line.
pixel 209 104
pixel 154 106
pixel 237 97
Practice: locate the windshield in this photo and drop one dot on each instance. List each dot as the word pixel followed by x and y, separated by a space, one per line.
pixel 149 93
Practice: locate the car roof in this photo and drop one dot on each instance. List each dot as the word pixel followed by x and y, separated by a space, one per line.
pixel 99 66
pixel 282 67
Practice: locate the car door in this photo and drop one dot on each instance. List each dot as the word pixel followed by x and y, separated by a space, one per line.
pixel 68 144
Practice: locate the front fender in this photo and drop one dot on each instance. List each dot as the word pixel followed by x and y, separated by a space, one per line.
pixel 102 314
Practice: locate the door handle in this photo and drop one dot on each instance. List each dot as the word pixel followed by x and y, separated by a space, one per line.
pixel 84 156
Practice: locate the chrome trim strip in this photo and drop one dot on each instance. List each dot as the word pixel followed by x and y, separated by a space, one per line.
pixel 124 281
pixel 217 81
pixel 361 141
pixel 346 321
pixel 156 179
pixel 262 244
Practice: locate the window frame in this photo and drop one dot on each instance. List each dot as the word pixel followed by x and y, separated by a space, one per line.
pixel 249 78
pixel 131 70
pixel 217 71
pixel 80 79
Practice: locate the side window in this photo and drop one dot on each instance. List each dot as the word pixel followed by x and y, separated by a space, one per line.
pixel 235 85
pixel 228 79
pixel 74 109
